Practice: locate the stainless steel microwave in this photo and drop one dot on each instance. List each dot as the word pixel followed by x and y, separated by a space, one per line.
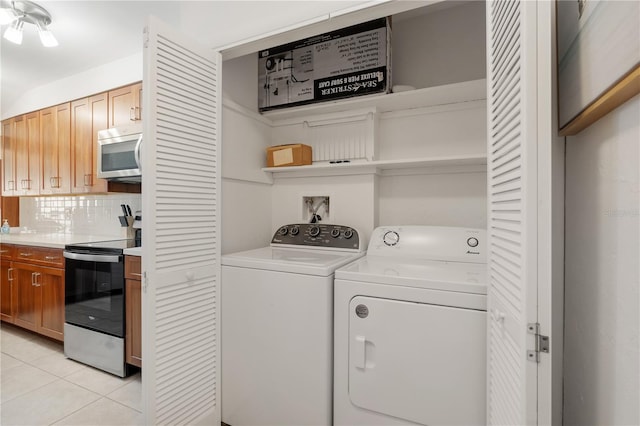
pixel 119 153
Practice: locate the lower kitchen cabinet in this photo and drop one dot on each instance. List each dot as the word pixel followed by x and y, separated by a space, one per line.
pixel 35 299
pixel 40 299
pixel 6 285
pixel 133 301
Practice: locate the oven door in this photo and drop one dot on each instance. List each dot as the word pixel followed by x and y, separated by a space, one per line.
pixel 94 292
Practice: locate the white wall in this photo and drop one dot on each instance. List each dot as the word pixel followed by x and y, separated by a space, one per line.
pixel 602 301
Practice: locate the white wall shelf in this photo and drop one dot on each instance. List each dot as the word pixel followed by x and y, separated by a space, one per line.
pixel 431 96
pixel 450 164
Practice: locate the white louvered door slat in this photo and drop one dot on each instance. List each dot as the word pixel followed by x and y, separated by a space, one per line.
pixel 181 229
pixel 512 178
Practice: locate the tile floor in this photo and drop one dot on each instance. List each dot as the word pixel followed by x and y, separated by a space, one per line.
pixel 40 386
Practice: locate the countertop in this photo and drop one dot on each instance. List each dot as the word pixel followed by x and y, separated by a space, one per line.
pixel 134 251
pixel 53 240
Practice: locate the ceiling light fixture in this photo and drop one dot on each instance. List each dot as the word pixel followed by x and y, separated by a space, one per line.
pixel 19 12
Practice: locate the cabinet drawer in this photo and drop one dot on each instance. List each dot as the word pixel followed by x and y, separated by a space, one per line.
pixel 39 256
pixel 133 267
pixel 6 251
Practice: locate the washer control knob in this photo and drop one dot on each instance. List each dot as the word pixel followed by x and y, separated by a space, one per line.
pixel 283 231
pixel 391 238
pixel 335 232
pixel 295 230
pixel 314 231
pixel 348 233
pixel 472 242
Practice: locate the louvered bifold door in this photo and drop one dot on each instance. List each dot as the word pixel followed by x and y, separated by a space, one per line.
pixel 511 163
pixel 180 192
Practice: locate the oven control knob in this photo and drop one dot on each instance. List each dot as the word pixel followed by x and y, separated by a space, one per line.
pixel 295 230
pixel 391 238
pixel 314 231
pixel 283 231
pixel 335 232
pixel 348 233
pixel 472 242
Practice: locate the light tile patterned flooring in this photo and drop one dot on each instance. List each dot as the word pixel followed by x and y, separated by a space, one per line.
pixel 40 386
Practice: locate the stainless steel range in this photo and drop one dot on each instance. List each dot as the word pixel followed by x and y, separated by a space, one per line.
pixel 94 328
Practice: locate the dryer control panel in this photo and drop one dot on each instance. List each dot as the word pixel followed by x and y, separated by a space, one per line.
pixel 441 243
pixel 317 235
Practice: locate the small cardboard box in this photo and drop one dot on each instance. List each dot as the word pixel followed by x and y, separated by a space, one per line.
pixel 289 155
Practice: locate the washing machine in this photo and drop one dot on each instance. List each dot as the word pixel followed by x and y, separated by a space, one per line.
pixel 410 329
pixel 277 326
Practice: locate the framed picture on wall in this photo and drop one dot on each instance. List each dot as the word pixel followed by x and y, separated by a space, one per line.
pixel 598 59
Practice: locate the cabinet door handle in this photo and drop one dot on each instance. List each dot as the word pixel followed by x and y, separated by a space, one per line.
pixel 88 180
pixel 10 274
pixel 138 114
pixel 132 114
pixel 26 254
pixel 11 185
pixel 54 181
pixel 34 279
pixel 135 274
pixel 51 257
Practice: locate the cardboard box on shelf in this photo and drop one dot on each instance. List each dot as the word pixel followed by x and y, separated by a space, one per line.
pixel 289 155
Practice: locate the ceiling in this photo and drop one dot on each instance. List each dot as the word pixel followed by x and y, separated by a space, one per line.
pixel 92 33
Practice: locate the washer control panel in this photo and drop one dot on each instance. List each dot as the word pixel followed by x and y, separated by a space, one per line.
pixel 317 235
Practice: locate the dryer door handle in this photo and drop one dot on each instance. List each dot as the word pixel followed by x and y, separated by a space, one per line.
pixel 359 352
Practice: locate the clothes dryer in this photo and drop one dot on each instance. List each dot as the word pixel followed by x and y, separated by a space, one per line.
pixel 409 337
pixel 277 326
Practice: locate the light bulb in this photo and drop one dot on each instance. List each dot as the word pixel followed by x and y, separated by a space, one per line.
pixel 7 16
pixel 14 32
pixel 47 38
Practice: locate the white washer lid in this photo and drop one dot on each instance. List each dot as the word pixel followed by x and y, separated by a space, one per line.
pixel 293 260
pixel 429 274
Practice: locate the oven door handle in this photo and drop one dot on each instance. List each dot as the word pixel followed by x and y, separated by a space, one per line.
pixel 103 258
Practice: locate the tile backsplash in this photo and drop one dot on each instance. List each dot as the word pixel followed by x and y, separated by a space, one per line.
pixel 84 214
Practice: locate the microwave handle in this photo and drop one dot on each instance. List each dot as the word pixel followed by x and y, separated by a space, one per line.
pixel 103 258
pixel 136 152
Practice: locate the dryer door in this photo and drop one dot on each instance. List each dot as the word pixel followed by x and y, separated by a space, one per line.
pixel 420 362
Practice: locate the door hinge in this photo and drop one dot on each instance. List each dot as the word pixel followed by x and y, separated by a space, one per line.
pixel 541 342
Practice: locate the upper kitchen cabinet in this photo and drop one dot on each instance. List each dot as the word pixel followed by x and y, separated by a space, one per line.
pixel 125 105
pixel 88 116
pixel 21 154
pixel 9 157
pixel 27 148
pixel 55 149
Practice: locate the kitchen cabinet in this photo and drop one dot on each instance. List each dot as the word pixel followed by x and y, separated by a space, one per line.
pixel 8 157
pixel 27 132
pixel 21 154
pixel 88 116
pixel 6 284
pixel 55 149
pixel 36 279
pixel 10 207
pixel 125 105
pixel 133 301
